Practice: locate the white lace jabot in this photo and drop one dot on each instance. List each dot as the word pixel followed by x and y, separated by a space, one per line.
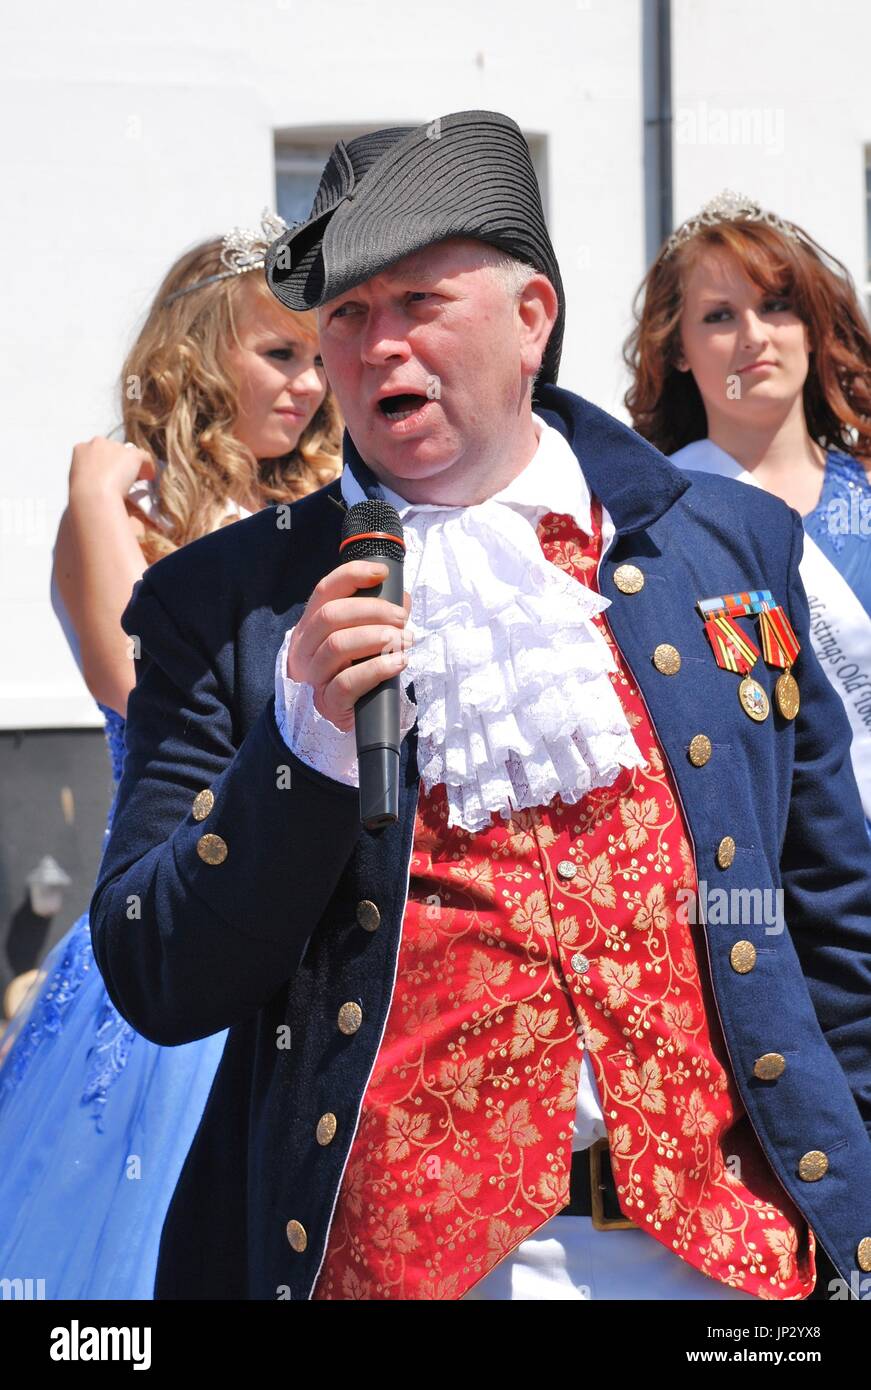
pixel 514 701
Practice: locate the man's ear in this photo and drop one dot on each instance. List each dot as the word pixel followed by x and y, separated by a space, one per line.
pixel 537 311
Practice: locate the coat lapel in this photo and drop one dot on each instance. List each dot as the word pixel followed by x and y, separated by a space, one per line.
pixel 634 480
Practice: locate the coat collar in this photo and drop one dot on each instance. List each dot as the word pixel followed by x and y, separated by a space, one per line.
pixel 635 482
pixel 630 477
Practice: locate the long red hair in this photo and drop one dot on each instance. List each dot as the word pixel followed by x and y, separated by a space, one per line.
pixel 665 404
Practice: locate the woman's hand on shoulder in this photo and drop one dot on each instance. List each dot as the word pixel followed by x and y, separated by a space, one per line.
pixel 103 466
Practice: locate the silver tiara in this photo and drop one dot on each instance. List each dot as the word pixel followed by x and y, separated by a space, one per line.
pixel 241 250
pixel 727 207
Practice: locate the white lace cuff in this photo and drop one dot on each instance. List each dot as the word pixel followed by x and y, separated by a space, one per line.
pixel 314 739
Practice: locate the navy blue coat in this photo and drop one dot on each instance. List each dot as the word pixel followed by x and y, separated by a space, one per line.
pixel 272 937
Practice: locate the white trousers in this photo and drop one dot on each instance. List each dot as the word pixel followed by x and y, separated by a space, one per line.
pixel 568 1259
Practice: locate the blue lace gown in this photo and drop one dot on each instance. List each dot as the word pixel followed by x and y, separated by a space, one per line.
pixel 841 526
pixel 841 523
pixel 95 1124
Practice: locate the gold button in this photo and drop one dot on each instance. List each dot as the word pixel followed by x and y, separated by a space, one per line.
pixel 628 579
pixel 863 1254
pixel 326 1130
pixel 725 851
pixel 297 1236
pixel 813 1165
pixel 666 659
pixel 700 750
pixel 770 1066
pixel 368 916
pixel 203 803
pixel 350 1018
pixel 742 957
pixel 212 849
pixel 566 869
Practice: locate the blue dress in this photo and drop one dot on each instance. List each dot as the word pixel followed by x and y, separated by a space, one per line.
pixel 841 526
pixel 95 1124
pixel 841 523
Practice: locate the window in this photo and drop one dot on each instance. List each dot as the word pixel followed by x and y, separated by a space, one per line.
pixel 300 157
pixel 297 175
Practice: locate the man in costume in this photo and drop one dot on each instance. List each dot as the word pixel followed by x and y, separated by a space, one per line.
pixel 540 1037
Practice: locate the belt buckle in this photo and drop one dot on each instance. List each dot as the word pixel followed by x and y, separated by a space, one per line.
pixel 601 1222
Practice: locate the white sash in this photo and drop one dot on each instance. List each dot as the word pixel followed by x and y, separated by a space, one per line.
pixel 839 626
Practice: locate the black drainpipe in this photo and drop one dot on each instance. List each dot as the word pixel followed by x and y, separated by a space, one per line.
pixel 658 177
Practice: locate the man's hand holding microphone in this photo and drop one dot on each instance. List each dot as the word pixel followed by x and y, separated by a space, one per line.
pixel 339 627
pixel 351 645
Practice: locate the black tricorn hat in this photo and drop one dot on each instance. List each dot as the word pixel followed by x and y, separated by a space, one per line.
pixel 391 193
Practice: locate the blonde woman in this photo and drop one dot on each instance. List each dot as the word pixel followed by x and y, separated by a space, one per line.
pixel 225 409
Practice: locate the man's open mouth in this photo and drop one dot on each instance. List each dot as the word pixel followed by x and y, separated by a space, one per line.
pixel 400 407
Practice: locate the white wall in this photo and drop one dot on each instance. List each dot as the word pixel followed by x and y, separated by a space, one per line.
pixel 131 130
pixel 771 98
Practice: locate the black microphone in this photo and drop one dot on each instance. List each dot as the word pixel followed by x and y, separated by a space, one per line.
pixel 372 530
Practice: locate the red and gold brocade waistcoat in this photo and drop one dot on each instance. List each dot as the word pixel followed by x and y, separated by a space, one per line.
pixel 508 968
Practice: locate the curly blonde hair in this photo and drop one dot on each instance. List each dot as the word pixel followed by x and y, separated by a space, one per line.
pixel 179 402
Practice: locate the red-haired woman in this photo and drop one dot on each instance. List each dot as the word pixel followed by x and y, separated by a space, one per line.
pixel 751 357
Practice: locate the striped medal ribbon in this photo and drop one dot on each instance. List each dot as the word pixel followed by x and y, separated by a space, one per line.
pixel 780 647
pixel 733 649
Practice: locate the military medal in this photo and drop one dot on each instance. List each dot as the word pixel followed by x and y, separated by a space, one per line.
pixel 733 649
pixel 787 695
pixel 753 699
pixel 780 647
